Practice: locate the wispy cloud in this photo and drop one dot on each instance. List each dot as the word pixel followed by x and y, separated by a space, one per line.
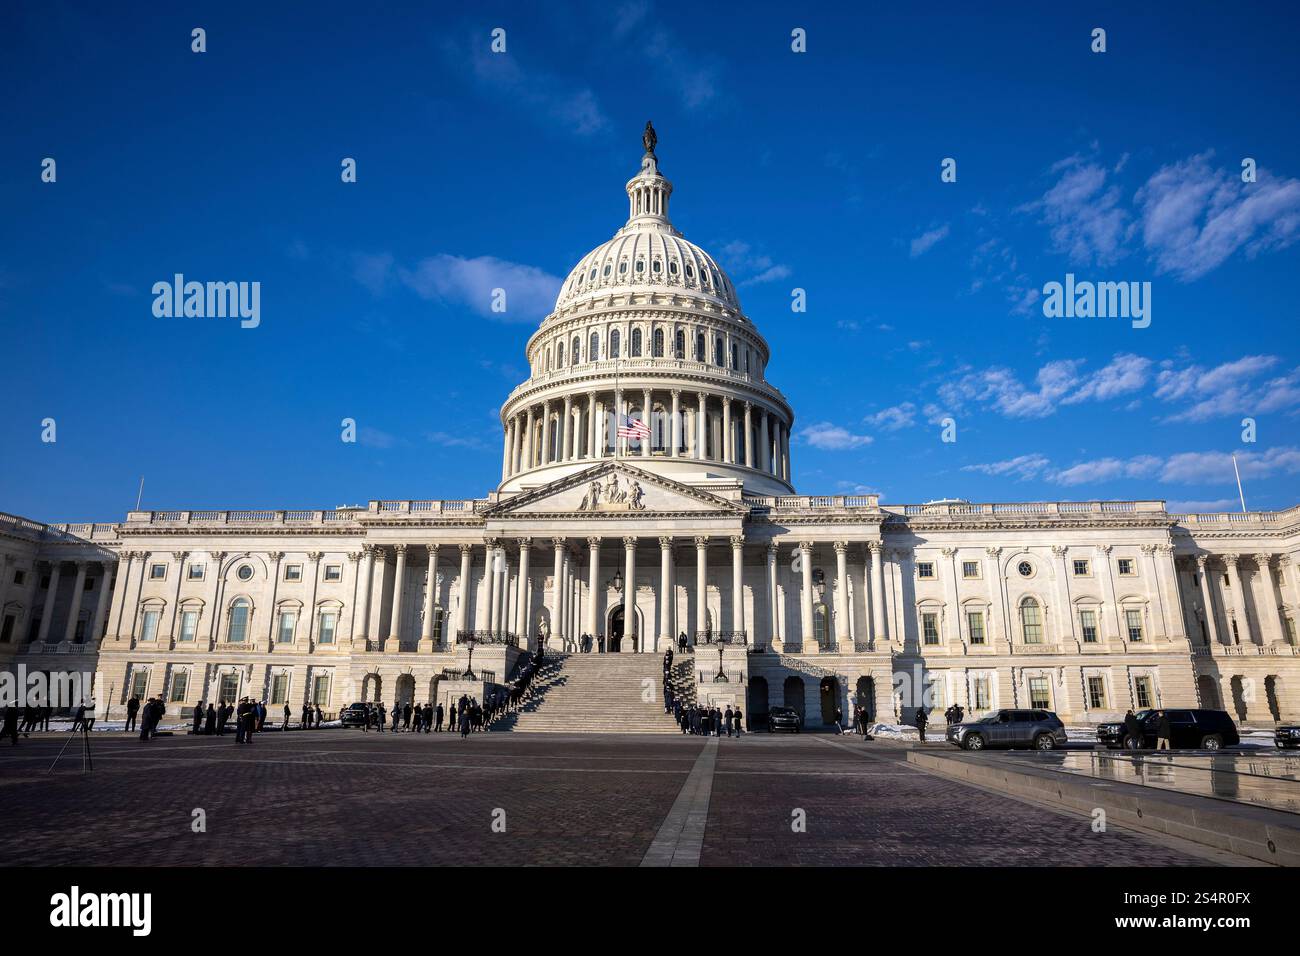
pixel 1061 382
pixel 893 418
pixel 1084 214
pixel 746 266
pixel 1192 467
pixel 529 292
pixel 830 437
pixel 1023 467
pixel 927 240
pixel 1229 389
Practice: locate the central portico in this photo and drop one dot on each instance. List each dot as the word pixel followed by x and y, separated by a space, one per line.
pixel 625 532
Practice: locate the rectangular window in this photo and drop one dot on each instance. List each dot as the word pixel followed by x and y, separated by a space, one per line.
pixel 189 625
pixel 980 689
pixel 19 576
pixel 1142 691
pixel 293 572
pixel 279 688
pixel 1125 566
pixel 937 696
pixel 320 691
pixel 79 632
pixel 925 569
pixel 7 630
pixel 1081 567
pixel 970 569
pixel 149 632
pixel 196 572
pixel 975 624
pixel 139 684
pixel 1133 621
pixel 288 620
pixel 327 622
pixel 333 572
pixel 180 686
pixel 1033 623
pixel 930 628
pixel 157 572
pixel 1097 693
pixel 1088 624
pixel 1039 695
pixel 229 688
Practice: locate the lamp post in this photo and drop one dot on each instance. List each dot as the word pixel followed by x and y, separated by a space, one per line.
pixel 470 641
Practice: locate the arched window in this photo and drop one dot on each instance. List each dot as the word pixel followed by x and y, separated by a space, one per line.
pixel 718 352
pixel 593 350
pixel 658 343
pixel 1031 621
pixel 613 344
pixel 700 354
pixel 577 350
pixel 559 355
pixel 690 271
pixel 635 350
pixel 237 631
pixel 679 345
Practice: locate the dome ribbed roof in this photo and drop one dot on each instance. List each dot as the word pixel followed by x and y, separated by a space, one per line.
pixel 648 254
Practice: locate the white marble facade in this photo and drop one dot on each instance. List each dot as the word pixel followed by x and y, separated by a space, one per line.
pixel 1084 607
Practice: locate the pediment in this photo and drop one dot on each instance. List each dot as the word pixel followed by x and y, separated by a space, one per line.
pixel 614 489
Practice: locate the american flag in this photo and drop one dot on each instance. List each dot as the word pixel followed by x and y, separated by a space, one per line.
pixel 631 427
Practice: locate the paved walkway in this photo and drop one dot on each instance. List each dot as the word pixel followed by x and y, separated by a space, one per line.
pixel 344 797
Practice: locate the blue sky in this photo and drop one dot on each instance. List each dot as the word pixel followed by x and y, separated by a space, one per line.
pixel 817 170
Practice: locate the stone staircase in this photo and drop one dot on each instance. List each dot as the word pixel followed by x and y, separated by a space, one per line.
pixel 594 694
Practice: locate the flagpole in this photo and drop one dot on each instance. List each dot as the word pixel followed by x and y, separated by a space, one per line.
pixel 618 413
pixel 1241 494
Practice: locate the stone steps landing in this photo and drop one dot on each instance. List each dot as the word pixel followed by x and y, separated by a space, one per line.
pixel 595 693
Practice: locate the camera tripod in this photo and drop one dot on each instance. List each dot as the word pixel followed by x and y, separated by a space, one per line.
pixel 86 763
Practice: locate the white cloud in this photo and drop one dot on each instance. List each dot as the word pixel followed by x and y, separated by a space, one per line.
pixel 1105 469
pixel 1229 389
pixel 1216 466
pixel 1202 507
pixel 829 437
pixel 1124 373
pixel 1195 217
pixel 927 240
pixel 546 97
pixel 1022 467
pixel 1061 382
pixel 1084 215
pixel 893 418
pixel 747 266
pixel 529 291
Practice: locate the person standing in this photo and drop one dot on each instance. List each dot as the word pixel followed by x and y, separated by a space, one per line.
pixel 210 724
pixel 319 716
pixel 839 721
pixel 1132 731
pixel 287 714
pixel 198 720
pixel 728 718
pixel 88 722
pixel 1163 731
pixel 132 709
pixel 437 719
pixel 921 721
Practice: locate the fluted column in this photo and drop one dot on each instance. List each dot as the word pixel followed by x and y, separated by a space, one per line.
pixel 501 578
pixel 809 637
pixel 843 639
pixel 1207 601
pixel 764 443
pixel 700 424
pixel 505 449
pixel 529 455
pixel 78 589
pixel 399 585
pixel 546 432
pixel 521 601
pixel 565 427
pixel 430 596
pixel 593 585
pixel 629 594
pixel 1238 587
pixel 462 611
pixel 646 408
pixel 101 604
pixel 591 424
pixel 728 450
pixel 778 460
pixel 47 610
pixel 675 427
pixel 877 590
pixel 557 627
pixel 749 432
pixel 665 592
pixel 517 452
pixel 774 627
pixel 785 453
pixel 738 584
pixel 701 585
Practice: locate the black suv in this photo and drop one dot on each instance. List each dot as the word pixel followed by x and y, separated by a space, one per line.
pixel 783 718
pixel 354 715
pixel 1287 736
pixel 1188 730
pixel 1040 729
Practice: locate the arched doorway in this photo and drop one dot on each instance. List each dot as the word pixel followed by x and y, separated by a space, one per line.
pixel 404 692
pixel 793 696
pixel 372 686
pixel 757 700
pixel 829 691
pixel 865 703
pixel 1209 692
pixel 622 635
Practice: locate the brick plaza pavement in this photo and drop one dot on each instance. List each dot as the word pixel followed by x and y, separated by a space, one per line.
pixel 343 797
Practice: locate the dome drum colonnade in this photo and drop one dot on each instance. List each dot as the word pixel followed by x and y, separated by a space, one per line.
pixel 648 327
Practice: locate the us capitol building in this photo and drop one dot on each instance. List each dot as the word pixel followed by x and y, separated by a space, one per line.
pixel 815 602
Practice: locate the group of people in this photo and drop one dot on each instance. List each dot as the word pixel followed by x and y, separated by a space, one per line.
pixel 148 715
pixel 954 714
pixel 705 721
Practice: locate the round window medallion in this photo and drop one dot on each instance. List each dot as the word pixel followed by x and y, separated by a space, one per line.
pixel 1026 569
pixel 245 572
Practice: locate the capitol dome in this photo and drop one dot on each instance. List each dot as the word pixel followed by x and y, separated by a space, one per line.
pixel 648 334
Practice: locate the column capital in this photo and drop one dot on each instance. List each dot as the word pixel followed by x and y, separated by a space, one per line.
pixel 558 543
pixel 949 552
pixel 701 541
pixel 629 542
pixel 993 552
pixel 465 549
pixel 368 550
pixel 1104 548
pixel 1202 560
pixel 315 556
pixel 771 550
pixel 1148 549
pixel 1263 560
pixel 354 556
pixel 1059 550
pixel 400 549
pixel 737 542
pixel 525 543
pixel 276 556
pixel 1231 559
pixel 676 393
pixel 875 547
pixel 432 549
pixel 593 542
pixel 665 542
pixel 805 547
pixel 748 407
